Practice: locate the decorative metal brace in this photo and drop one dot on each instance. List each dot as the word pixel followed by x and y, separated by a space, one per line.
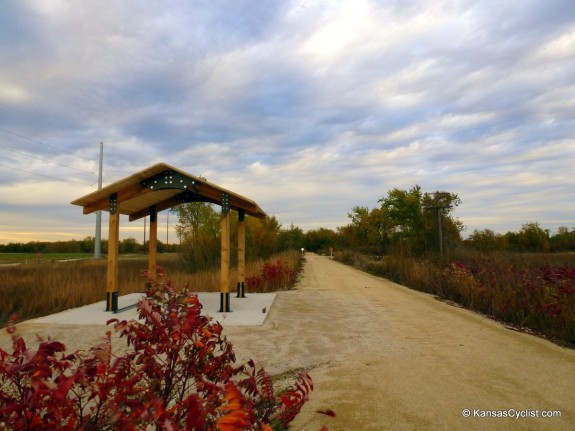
pixel 168 180
pixel 225 203
pixel 188 196
pixel 113 203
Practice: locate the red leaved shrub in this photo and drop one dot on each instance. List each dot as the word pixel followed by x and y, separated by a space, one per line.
pixel 178 373
pixel 275 275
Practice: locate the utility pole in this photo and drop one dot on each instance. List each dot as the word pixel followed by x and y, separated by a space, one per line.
pixel 98 239
pixel 438 208
pixel 167 229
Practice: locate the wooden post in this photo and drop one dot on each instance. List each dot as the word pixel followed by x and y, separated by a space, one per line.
pixel 113 235
pixel 241 254
pixel 153 243
pixel 225 256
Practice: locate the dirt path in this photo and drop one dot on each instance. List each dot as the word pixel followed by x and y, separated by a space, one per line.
pixel 388 358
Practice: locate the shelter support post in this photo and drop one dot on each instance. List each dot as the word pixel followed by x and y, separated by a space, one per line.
pixel 225 255
pixel 113 235
pixel 153 244
pixel 241 254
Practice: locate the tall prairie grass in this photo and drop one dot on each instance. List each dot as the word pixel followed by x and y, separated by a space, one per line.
pixel 535 291
pixel 39 289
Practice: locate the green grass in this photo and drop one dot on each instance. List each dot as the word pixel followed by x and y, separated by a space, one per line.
pixel 41 257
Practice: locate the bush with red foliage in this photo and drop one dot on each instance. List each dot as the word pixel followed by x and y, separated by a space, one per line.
pixel 274 276
pixel 177 373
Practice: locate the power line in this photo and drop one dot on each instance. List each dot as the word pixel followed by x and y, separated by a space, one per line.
pixel 45 145
pixel 45 160
pixel 47 176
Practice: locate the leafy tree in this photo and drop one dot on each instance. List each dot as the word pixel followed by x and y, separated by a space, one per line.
pixel 129 245
pixel 487 240
pixel 199 231
pixel 412 221
pixel 404 208
pixel 369 230
pixel 532 237
pixel 438 206
pixel 292 238
pixel 262 237
pixel 319 240
pixel 563 240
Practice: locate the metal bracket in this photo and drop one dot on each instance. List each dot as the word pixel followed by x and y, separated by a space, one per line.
pixel 225 203
pixel 168 180
pixel 187 196
pixel 113 203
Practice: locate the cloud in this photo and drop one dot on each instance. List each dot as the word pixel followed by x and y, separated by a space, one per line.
pixel 308 107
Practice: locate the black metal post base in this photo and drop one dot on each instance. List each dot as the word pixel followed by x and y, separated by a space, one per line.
pixel 225 302
pixel 241 290
pixel 112 301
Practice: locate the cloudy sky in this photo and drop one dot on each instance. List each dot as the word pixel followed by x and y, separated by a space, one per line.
pixel 308 107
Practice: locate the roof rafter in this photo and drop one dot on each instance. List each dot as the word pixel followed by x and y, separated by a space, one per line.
pixel 162 186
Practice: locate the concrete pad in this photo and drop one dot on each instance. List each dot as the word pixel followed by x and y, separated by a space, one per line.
pixel 249 311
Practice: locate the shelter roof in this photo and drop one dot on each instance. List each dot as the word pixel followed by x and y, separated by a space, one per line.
pixel 162 186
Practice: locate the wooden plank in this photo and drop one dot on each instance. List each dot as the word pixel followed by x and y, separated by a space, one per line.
pixel 113 246
pixel 235 203
pixel 123 195
pixel 153 243
pixel 241 248
pixel 225 253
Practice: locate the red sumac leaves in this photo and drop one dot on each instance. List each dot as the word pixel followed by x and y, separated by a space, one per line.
pixel 178 373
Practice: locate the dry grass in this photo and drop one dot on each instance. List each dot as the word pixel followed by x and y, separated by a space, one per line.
pixel 535 291
pixel 35 290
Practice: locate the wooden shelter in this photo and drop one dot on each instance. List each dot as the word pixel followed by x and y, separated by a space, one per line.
pixel 158 188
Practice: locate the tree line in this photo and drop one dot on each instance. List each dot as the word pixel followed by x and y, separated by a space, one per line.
pixel 86 245
pixel 406 221
pixel 410 222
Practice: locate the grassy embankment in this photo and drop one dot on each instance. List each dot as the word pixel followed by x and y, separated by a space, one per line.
pixel 531 292
pixel 47 286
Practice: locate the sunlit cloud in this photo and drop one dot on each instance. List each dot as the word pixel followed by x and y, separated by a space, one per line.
pixel 308 107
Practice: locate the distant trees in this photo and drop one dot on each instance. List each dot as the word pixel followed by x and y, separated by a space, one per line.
pixel 199 231
pixel 407 222
pixel 71 246
pixel 125 246
pixel 564 240
pixel 487 240
pixel 292 238
pixel 530 238
pixel 319 240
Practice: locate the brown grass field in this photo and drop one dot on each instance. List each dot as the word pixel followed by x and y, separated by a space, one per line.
pixel 38 289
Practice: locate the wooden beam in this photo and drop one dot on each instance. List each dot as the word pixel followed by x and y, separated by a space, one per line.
pixel 123 195
pixel 241 254
pixel 225 261
pixel 234 203
pixel 153 243
pixel 112 279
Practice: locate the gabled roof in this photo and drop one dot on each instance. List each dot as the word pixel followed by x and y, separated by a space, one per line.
pixel 162 186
